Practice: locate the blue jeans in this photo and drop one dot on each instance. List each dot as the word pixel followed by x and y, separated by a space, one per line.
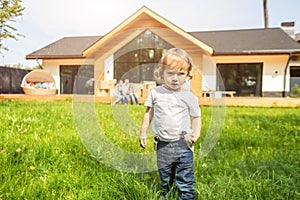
pixel 133 98
pixel 120 98
pixel 175 163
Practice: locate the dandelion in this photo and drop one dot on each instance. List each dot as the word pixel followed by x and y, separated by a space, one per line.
pixel 204 165
pixel 83 152
pixel 32 167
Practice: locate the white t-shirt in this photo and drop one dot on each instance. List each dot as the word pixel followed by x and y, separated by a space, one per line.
pixel 125 88
pixel 172 112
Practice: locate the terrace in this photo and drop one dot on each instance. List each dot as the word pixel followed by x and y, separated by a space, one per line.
pixel 204 101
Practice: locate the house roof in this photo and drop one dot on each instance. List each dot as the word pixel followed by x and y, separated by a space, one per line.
pixel 67 47
pixel 233 42
pixel 251 41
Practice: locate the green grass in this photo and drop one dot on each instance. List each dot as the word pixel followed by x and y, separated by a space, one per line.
pixel 42 155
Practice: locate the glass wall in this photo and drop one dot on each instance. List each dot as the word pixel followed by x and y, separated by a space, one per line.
pixel 244 78
pixel 141 54
pixel 77 79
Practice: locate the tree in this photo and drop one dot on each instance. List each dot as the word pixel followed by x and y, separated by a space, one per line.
pixel 9 11
pixel 266 14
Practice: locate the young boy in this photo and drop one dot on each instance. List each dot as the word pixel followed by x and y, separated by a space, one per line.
pixel 176 124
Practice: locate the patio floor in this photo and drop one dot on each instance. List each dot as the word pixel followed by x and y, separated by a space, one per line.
pixel 227 101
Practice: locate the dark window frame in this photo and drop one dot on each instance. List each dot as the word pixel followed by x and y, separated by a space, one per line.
pixel 137 59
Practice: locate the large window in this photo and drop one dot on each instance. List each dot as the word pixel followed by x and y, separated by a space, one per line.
pixel 295 76
pixel 243 78
pixel 144 51
pixel 77 79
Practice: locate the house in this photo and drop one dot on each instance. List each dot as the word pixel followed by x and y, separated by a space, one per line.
pixel 254 62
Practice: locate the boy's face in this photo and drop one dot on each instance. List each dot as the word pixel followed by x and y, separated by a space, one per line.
pixel 173 79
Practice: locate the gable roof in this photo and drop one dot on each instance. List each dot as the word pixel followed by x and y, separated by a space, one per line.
pixel 251 41
pixel 67 47
pixel 146 18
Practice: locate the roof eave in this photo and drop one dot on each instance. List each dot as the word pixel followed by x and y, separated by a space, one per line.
pixel 54 57
pixel 258 52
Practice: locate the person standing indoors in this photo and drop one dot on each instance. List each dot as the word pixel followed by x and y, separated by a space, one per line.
pixel 176 122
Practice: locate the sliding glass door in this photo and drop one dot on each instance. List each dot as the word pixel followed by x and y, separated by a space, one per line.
pixel 244 78
pixel 77 79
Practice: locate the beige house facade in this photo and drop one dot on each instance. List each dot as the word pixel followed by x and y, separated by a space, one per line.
pixel 252 62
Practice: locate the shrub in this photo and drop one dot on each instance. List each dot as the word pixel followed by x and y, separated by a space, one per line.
pixel 295 91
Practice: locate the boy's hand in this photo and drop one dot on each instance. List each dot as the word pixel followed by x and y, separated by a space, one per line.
pixel 194 137
pixel 143 142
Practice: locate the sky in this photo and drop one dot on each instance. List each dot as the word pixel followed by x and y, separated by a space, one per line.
pixel 46 21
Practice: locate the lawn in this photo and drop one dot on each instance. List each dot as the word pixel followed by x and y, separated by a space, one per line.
pixel 55 150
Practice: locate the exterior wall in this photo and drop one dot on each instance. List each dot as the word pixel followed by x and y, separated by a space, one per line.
pixel 204 77
pixel 273 76
pixel 209 78
pixel 99 73
pixel 109 68
pixel 196 82
pixel 272 72
pixel 52 66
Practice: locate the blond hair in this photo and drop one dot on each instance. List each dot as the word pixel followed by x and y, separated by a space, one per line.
pixel 175 59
